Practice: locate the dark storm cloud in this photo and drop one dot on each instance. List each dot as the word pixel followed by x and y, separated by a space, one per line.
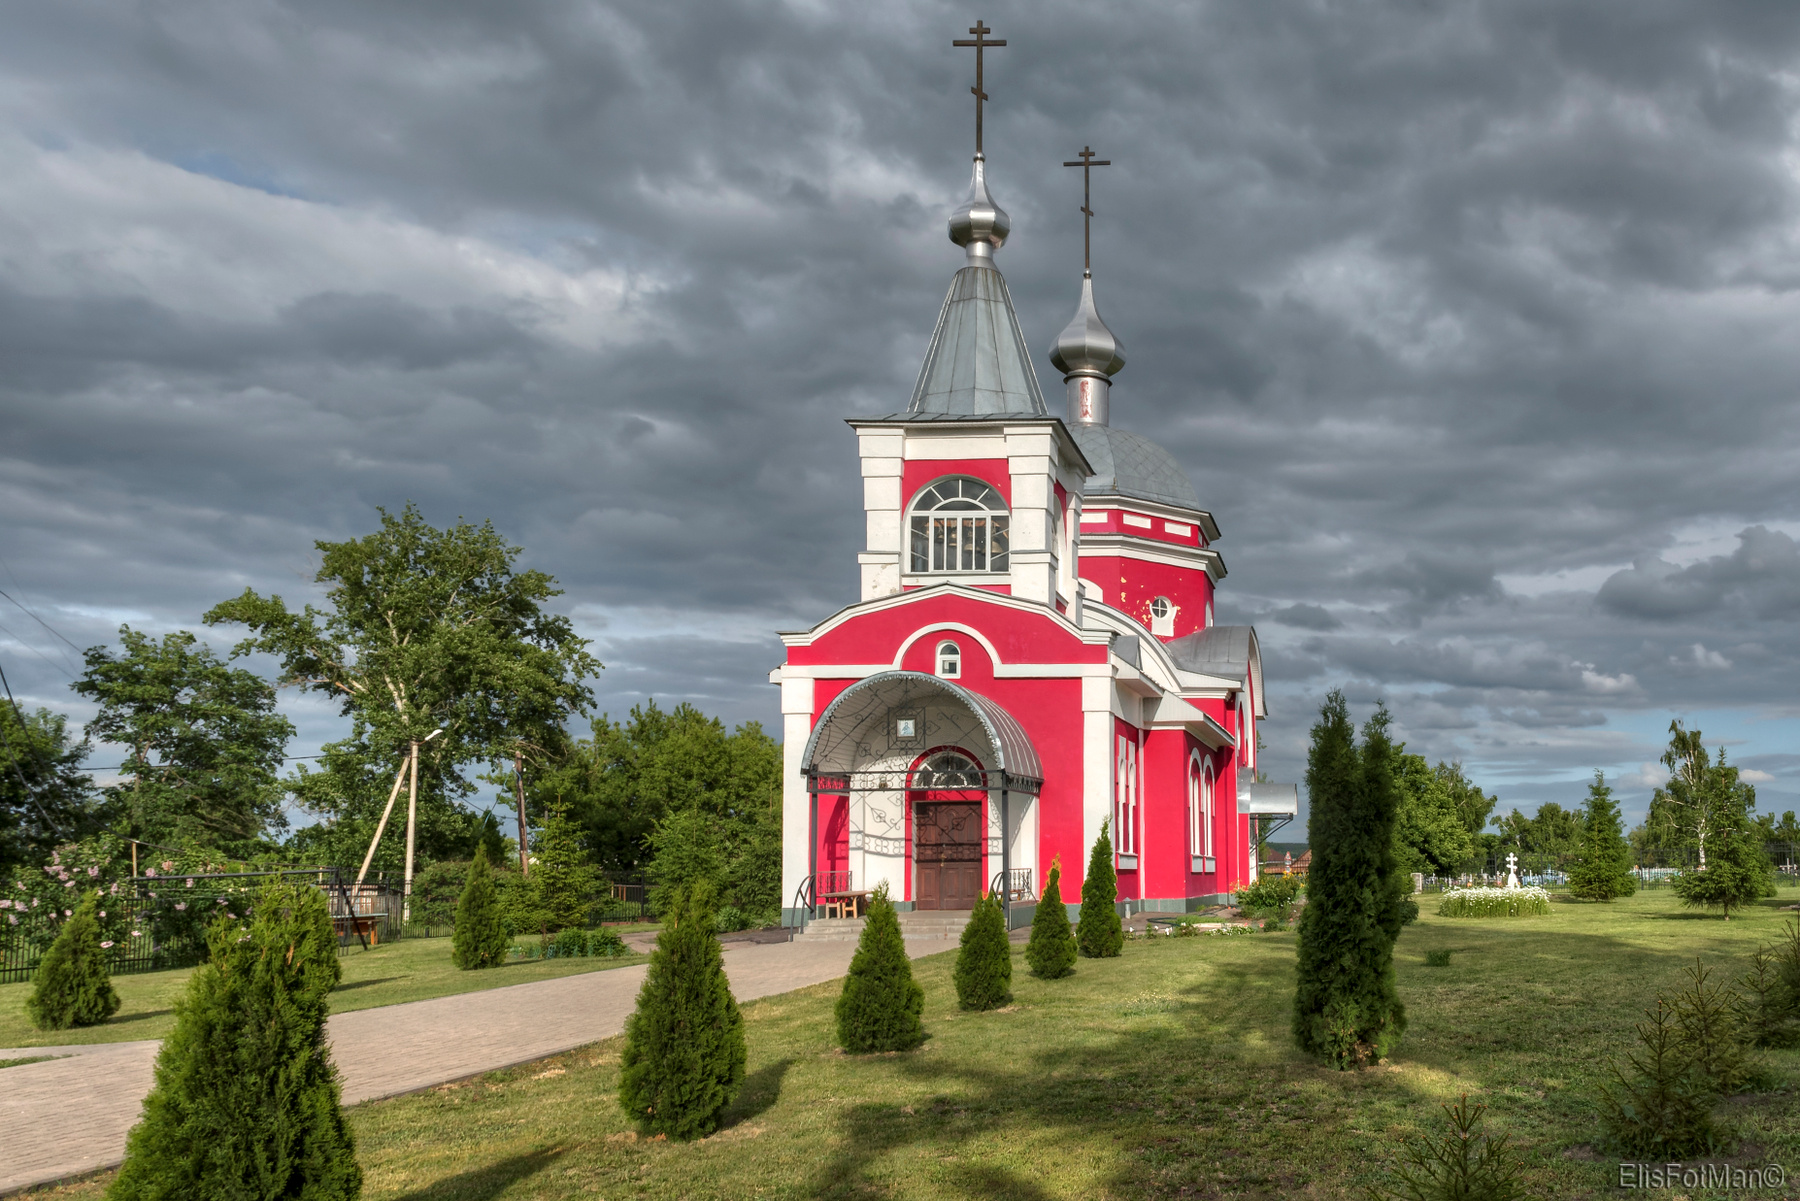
pixel 1451 313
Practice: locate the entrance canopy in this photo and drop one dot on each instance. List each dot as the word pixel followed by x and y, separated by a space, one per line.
pixel 868 737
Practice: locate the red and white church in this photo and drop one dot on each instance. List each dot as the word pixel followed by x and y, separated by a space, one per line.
pixel 1034 652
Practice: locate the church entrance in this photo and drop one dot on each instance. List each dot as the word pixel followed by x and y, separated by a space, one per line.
pixel 947 838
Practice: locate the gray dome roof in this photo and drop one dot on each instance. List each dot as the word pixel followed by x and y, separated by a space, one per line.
pixel 1128 464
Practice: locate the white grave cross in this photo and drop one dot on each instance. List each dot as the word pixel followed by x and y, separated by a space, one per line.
pixel 1512 873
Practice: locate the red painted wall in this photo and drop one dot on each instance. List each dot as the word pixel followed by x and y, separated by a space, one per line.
pixel 1131 584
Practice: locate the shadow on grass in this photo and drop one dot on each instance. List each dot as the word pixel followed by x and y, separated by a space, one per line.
pixel 367 983
pixel 483 1184
pixel 139 1017
pixel 762 1088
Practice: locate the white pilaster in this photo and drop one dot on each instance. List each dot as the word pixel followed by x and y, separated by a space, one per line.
pixel 796 803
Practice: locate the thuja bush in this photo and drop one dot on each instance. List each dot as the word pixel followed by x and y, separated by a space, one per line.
pixel 71 987
pixel 684 1046
pixel 1530 901
pixel 880 1005
pixel 1051 951
pixel 480 938
pixel 1455 1166
pixel 984 963
pixel 246 1103
pixel 1099 934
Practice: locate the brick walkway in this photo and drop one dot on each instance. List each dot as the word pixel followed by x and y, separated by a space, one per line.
pixel 68 1116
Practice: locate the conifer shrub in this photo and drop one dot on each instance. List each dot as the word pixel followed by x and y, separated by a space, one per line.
pixel 1712 1037
pixel 72 987
pixel 1051 951
pixel 984 963
pixel 684 1045
pixel 1347 1008
pixel 1769 1014
pixel 1663 1110
pixel 1099 934
pixel 571 944
pixel 1454 1167
pixel 880 1006
pixel 479 939
pixel 246 1103
pixel 1604 869
pixel 606 944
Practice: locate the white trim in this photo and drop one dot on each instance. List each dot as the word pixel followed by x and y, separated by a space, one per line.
pixel 946 588
pixel 1106 543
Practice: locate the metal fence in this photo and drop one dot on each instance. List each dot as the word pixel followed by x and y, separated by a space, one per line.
pixel 163 923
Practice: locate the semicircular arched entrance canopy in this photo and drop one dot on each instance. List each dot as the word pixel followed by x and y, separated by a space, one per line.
pixel 864 725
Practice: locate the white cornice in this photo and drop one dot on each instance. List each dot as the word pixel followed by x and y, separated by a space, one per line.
pixel 1147 550
pixel 980 595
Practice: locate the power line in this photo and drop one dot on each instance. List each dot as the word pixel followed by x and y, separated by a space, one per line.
pixel 64 667
pixel 6 742
pixel 58 634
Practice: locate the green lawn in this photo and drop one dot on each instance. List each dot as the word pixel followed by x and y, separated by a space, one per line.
pixel 1166 1072
pixel 412 969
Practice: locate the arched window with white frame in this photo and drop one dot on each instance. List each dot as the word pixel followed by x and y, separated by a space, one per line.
pixel 1125 804
pixel 1200 812
pixel 958 525
pixel 949 660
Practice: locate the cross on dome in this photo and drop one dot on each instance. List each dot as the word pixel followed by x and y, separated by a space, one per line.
pixel 980 42
pixel 1087 162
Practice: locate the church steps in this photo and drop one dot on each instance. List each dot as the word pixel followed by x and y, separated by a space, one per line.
pixel 946 925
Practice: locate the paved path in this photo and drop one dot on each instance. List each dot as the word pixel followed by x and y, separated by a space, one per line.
pixel 68 1116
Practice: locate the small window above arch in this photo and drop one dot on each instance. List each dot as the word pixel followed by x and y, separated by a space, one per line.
pixel 958 524
pixel 949 660
pixel 1162 617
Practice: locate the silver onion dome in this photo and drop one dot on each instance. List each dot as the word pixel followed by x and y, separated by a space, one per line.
pixel 980 226
pixel 1089 355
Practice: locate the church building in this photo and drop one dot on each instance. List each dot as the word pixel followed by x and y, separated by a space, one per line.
pixel 1033 653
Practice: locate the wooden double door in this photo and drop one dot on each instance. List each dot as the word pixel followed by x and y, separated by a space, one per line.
pixel 947 846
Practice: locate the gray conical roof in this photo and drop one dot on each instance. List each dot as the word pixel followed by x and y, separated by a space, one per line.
pixel 977 364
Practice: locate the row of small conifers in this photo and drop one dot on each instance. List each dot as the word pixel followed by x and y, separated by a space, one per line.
pixel 684 1046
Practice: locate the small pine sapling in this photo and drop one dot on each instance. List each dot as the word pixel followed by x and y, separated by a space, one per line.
pixel 684 1046
pixel 480 938
pixel 246 1102
pixel 72 987
pixel 880 1006
pixel 1051 950
pixel 1454 1167
pixel 1767 1012
pixel 1665 1111
pixel 1712 1036
pixel 1099 934
pixel 984 964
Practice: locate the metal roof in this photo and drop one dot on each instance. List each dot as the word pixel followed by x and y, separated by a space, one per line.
pixel 1230 652
pixel 1269 800
pixel 977 364
pixel 832 749
pixel 1128 464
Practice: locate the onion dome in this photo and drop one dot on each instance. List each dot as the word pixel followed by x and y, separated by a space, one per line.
pixel 1086 346
pixel 980 226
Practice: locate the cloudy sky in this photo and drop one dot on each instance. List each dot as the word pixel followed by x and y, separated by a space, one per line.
pixel 1475 325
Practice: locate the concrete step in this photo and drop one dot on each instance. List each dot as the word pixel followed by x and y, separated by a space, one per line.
pixel 946 925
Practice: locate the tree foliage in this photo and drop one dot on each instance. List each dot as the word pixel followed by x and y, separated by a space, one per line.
pixel 246 1103
pixel 1604 869
pixel 45 798
pixel 1440 815
pixel 1099 934
pixel 1347 1009
pixel 205 741
pixel 480 939
pixel 1050 953
pixel 425 629
pixel 983 974
pixel 560 879
pixel 684 1045
pixel 72 987
pixel 879 1007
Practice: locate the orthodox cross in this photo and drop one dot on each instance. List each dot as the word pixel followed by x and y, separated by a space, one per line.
pixel 981 42
pixel 1086 161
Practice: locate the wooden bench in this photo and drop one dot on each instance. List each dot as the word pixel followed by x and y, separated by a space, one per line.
pixel 844 904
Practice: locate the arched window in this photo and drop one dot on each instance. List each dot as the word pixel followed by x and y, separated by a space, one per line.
pixel 958 524
pixel 1200 809
pixel 949 660
pixel 948 770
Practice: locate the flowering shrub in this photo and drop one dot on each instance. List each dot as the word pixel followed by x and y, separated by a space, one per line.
pixel 1495 902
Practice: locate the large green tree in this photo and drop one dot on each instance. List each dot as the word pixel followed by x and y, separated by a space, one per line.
pixel 1732 868
pixel 204 741
pixel 423 630
pixel 45 798
pixel 1431 832
pixel 1347 1008
pixel 1603 870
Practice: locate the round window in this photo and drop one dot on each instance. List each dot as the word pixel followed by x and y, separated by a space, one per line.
pixel 1160 608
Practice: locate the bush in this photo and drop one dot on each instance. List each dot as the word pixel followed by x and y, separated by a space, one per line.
pixel 1437 959
pixel 731 918
pixel 1771 1006
pixel 1268 895
pixel 246 1101
pixel 71 987
pixel 480 937
pixel 984 962
pixel 880 1006
pixel 684 1046
pixel 1099 934
pixel 1530 901
pixel 606 944
pixel 570 943
pixel 1452 1168
pixel 1706 1012
pixel 1664 1111
pixel 1051 951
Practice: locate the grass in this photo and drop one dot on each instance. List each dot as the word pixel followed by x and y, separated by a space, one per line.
pixel 19 1063
pixel 1167 1072
pixel 412 969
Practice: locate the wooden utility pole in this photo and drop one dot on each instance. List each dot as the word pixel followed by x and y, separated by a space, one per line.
pixel 412 831
pixel 519 782
pixel 393 794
